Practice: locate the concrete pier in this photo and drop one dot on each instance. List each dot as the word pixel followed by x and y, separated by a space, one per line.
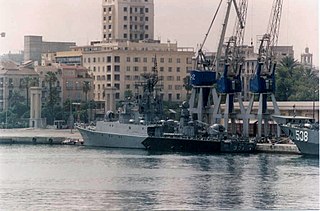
pixel 37 136
pixel 278 148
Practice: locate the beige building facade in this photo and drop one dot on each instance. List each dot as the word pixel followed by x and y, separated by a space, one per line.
pixel 13 79
pixel 127 20
pixel 120 65
pixel 69 84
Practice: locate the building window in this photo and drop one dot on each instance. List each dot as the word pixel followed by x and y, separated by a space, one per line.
pixel 145 60
pixel 108 77
pixel 128 59
pixel 177 87
pixel 169 87
pixel 178 96
pixel 117 68
pixel 125 27
pixel 178 69
pixel 128 86
pixel 128 68
pixel 178 60
pixel 147 18
pixel 147 27
pixel 136 59
pixel 125 9
pixel 117 77
pixel 109 26
pixel 189 60
pixel 117 96
pixel 117 86
pixel 169 69
pixel 145 69
pixel 162 60
pixel 108 59
pixel 146 36
pixel 178 78
pixel 169 97
pixel 125 36
pixel 161 69
pixel 136 69
pixel 147 10
pixel 109 68
pixel 170 78
pixel 117 59
pixel 125 18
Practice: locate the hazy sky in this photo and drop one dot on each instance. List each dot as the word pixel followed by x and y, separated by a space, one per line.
pixel 184 21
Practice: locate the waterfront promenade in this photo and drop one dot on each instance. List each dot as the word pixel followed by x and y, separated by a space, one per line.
pixel 40 136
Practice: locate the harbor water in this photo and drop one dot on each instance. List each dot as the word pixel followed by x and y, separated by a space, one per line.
pixel 34 177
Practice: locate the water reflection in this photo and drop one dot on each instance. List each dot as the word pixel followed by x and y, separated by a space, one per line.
pixel 77 178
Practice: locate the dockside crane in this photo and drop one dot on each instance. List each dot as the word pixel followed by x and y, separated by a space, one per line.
pixel 229 83
pixel 205 101
pixel 262 82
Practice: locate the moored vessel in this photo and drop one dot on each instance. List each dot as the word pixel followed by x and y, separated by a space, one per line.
pixel 303 131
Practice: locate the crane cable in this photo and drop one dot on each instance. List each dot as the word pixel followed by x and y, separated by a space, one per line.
pixel 214 17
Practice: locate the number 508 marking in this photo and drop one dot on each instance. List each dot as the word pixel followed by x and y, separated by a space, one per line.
pixel 302 135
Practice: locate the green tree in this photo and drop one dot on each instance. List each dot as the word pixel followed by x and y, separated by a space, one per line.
pixel 187 84
pixel 28 82
pixel 53 98
pixel 294 82
pixel 86 88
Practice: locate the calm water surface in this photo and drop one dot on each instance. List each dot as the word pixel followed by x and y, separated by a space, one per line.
pixel 79 178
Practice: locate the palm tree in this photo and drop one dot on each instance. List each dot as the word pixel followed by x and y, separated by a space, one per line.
pixel 289 63
pixel 51 79
pixel 28 82
pixel 86 88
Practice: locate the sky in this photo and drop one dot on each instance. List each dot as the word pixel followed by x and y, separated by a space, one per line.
pixel 183 21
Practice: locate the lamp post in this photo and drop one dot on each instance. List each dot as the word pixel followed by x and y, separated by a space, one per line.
pixel 71 119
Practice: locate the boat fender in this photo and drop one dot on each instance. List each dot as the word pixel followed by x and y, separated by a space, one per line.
pixel 34 140
pixel 50 140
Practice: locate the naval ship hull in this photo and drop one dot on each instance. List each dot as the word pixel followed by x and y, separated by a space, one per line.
pixel 197 146
pixel 111 140
pixel 303 131
pixel 306 140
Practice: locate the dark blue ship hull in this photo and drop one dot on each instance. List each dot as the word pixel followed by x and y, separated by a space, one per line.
pixel 197 146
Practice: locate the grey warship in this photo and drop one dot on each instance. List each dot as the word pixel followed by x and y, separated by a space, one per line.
pixel 140 125
pixel 303 131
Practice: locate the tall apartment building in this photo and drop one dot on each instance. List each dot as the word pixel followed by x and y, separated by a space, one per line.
pixel 34 46
pixel 120 65
pixel 127 20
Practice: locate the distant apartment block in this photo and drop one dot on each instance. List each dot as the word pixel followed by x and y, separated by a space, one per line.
pixel 13 79
pixel 120 65
pixel 34 46
pixel 127 19
pixel 70 82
